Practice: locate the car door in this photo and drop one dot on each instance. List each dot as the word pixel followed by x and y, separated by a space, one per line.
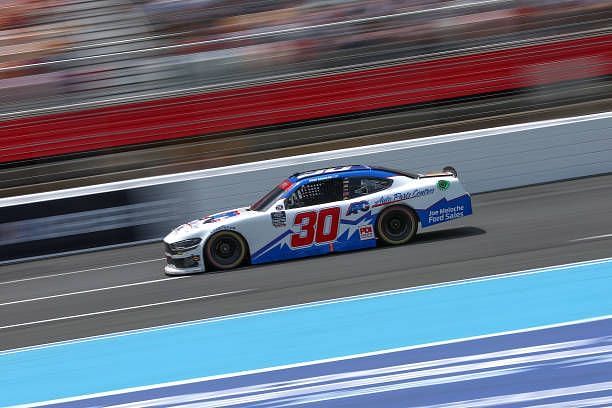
pixel 314 211
pixel 359 218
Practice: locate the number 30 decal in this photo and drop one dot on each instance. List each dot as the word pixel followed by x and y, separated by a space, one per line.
pixel 316 227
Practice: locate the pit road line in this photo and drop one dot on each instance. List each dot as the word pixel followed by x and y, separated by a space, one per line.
pixel 80 292
pixel 57 319
pixel 80 271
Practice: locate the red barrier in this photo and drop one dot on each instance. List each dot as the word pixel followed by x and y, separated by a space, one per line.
pixel 310 98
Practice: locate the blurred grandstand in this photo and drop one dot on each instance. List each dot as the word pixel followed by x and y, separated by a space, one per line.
pixel 103 90
pixel 61 52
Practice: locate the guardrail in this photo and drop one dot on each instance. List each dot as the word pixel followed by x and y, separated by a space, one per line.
pixel 304 99
pixel 144 210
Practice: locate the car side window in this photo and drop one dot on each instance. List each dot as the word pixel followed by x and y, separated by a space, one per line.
pixel 361 186
pixel 316 192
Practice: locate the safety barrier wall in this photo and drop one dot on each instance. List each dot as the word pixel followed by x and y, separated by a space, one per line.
pixel 146 209
pixel 303 99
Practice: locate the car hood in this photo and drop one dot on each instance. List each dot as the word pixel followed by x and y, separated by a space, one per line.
pixel 198 228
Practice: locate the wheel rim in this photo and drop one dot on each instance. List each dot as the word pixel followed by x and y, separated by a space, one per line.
pixel 226 250
pixel 396 225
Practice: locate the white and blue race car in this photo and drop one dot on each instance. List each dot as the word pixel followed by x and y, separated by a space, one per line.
pixel 318 212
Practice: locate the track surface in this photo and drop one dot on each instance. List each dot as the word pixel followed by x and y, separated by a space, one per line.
pixel 510 230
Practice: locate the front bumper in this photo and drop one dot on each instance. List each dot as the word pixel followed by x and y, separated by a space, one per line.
pixel 184 263
pixel 173 270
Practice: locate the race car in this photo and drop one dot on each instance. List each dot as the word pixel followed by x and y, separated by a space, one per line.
pixel 318 212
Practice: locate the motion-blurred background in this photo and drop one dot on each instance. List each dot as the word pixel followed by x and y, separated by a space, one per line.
pixel 94 91
pixel 117 90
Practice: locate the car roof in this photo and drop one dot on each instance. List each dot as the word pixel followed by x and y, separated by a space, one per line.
pixel 350 170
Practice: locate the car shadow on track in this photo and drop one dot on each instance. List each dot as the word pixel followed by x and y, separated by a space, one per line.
pixel 420 238
pixel 442 235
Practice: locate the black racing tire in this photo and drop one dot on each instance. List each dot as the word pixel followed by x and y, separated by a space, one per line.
pixel 396 225
pixel 225 250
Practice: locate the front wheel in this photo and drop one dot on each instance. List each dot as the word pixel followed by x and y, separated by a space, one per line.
pixel 225 250
pixel 396 225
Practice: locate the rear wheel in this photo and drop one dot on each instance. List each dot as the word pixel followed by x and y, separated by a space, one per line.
pixel 396 225
pixel 225 250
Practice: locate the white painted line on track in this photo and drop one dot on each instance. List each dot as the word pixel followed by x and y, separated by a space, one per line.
pixel 372 295
pixel 103 312
pixel 592 238
pixel 80 292
pixel 80 271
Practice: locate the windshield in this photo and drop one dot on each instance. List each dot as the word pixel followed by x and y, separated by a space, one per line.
pixel 273 196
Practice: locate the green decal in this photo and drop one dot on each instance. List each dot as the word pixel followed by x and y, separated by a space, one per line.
pixel 443 184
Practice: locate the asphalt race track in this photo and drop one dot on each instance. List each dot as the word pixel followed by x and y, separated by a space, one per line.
pixel 123 289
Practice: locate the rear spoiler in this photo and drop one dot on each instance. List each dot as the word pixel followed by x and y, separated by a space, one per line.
pixel 447 171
